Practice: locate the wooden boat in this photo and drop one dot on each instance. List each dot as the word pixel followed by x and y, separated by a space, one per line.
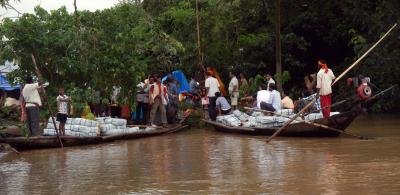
pixel 40 142
pixel 340 121
pixel 157 131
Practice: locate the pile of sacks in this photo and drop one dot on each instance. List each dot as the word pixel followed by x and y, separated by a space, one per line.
pixel 113 126
pixel 81 127
pixel 74 127
pixel 258 119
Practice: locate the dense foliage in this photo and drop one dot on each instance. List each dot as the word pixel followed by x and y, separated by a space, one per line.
pixel 89 50
pixel 118 46
pixel 240 35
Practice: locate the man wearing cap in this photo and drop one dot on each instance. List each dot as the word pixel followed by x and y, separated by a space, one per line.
pixel 212 86
pixel 325 78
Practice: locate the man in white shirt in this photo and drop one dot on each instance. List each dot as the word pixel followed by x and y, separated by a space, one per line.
pixel 63 110
pixel 233 90
pixel 32 103
pixel 263 95
pixel 325 78
pixel 212 86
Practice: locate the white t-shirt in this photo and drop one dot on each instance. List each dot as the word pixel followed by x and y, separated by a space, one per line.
pixel 62 102
pixel 324 81
pixel 213 85
pixel 31 95
pixel 234 82
pixel 263 96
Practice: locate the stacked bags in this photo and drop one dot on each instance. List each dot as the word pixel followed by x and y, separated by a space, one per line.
pixel 114 126
pixel 258 119
pixel 74 127
pixel 89 128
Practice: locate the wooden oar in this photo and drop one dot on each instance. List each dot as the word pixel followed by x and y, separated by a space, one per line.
pixel 336 80
pixel 45 98
pixel 310 123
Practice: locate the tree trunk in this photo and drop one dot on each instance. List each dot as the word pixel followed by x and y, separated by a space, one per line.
pixel 278 48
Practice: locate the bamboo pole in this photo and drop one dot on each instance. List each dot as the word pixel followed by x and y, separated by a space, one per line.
pixel 278 46
pixel 365 54
pixel 39 76
pixel 199 55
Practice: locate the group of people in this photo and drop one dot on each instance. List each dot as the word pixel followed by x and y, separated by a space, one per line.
pixel 157 97
pixel 267 97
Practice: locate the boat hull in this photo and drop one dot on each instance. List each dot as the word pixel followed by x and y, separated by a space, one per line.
pixel 41 142
pixel 340 121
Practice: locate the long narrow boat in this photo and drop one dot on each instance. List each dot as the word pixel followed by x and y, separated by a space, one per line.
pixel 40 142
pixel 340 121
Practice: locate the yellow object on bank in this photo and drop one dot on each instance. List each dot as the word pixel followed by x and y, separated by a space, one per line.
pixel 87 114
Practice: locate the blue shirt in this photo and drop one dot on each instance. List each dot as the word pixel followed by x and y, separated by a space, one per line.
pixel 275 100
pixel 222 103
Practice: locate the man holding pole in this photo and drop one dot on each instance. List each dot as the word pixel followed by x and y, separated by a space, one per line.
pixel 32 103
pixel 325 78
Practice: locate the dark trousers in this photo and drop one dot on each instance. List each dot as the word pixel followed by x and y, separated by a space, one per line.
pixel 33 120
pixel 172 111
pixel 141 118
pixel 266 106
pixel 212 112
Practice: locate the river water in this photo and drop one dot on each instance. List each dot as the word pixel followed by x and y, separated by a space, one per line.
pixel 207 162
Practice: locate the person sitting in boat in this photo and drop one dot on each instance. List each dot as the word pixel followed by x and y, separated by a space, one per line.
pixel 263 95
pixel 222 104
pixel 274 101
pixel 299 104
pixel 287 102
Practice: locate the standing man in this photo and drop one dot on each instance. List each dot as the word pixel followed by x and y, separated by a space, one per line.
pixel 63 107
pixel 325 78
pixel 269 80
pixel 158 100
pixel 140 113
pixel 233 90
pixel 173 101
pixel 32 103
pixel 212 86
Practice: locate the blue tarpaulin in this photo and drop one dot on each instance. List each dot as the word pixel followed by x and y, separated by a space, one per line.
pixel 181 78
pixel 5 85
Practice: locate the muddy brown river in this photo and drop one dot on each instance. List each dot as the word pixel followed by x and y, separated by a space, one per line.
pixel 207 162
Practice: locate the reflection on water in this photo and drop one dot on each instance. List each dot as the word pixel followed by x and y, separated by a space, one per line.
pixel 204 161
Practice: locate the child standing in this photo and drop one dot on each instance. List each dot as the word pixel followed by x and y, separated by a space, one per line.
pixel 204 102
